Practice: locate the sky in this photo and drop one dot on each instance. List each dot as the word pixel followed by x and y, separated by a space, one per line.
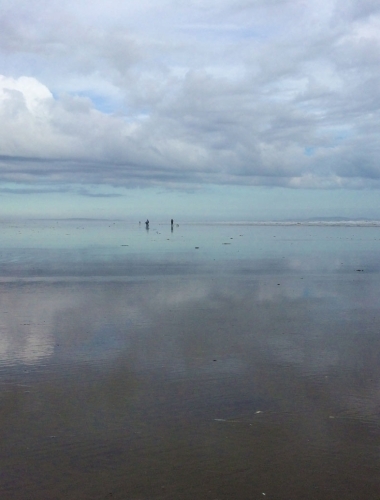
pixel 192 110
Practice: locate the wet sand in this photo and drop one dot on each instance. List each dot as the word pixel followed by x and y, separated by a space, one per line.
pixel 160 371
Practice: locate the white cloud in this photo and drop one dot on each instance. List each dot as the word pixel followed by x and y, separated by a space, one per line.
pixel 176 94
pixel 29 89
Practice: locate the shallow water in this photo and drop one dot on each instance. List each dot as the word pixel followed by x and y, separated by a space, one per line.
pixel 158 370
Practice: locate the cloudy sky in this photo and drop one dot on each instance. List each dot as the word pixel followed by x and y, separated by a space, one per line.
pixel 220 109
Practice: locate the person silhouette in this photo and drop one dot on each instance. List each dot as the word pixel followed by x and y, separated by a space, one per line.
pixel 147 224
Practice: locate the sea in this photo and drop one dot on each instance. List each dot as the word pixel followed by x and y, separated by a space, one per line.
pixel 218 361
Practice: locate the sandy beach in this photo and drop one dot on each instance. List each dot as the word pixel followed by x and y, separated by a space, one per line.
pixel 227 362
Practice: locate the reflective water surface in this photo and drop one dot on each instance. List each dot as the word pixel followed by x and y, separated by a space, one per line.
pixel 134 365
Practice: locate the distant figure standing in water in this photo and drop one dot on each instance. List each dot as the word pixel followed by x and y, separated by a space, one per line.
pixel 172 222
pixel 147 224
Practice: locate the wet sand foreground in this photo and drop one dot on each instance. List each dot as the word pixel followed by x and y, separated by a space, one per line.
pixel 144 368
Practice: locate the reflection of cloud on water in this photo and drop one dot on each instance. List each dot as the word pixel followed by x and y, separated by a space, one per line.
pixel 38 345
pixel 101 319
pixel 30 348
pixel 199 327
pixel 221 327
pixel 25 323
pixel 81 321
pixel 181 322
pixel 238 338
pixel 177 294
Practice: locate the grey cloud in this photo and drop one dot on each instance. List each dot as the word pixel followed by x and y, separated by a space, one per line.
pixel 86 192
pixel 266 101
pixel 28 191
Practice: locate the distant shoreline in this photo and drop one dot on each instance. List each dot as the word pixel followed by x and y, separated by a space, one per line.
pixel 356 223
pixel 333 222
